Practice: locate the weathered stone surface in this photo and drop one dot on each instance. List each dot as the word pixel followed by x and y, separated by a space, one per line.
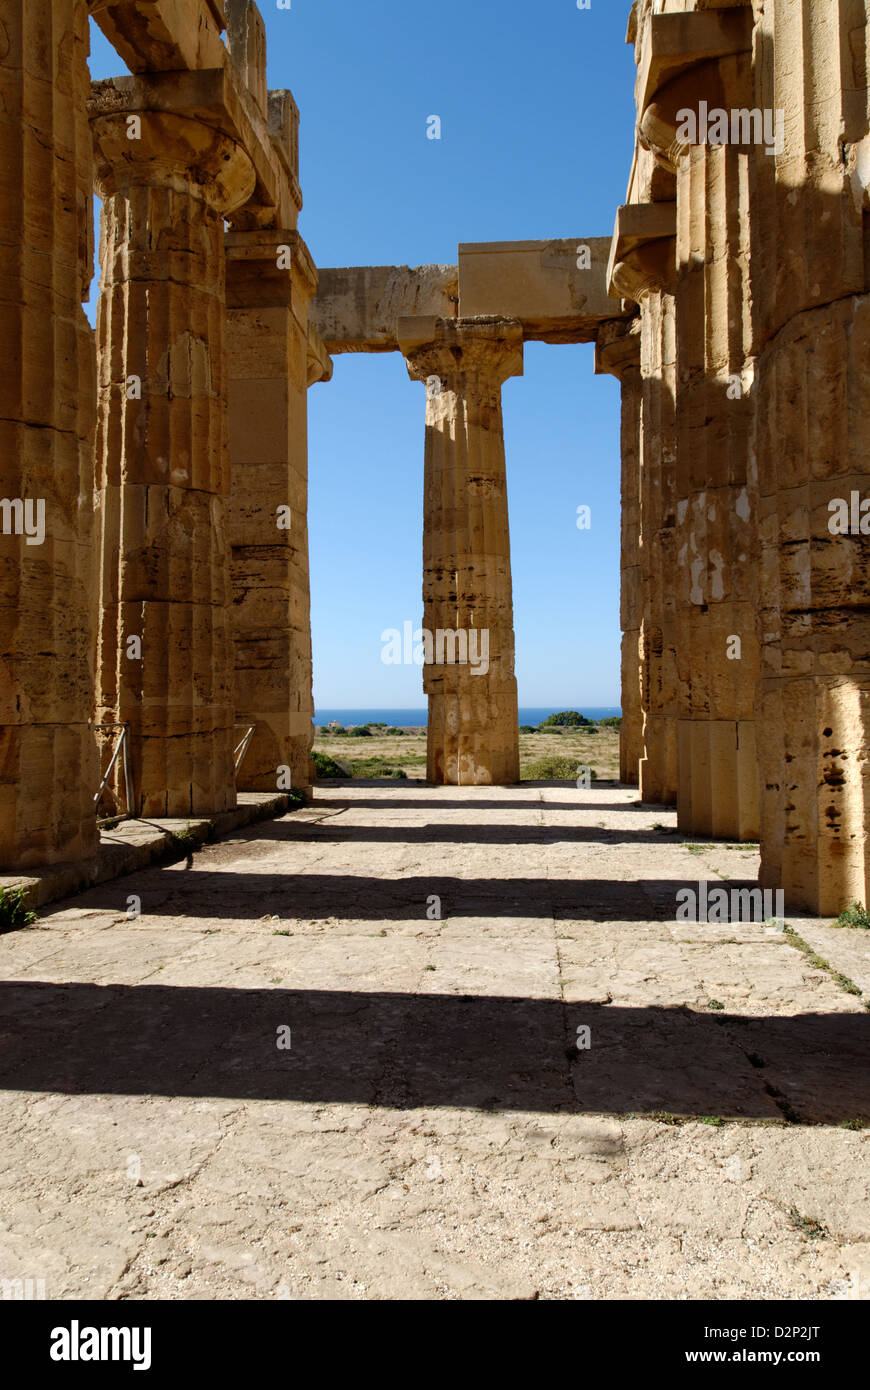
pixel 155 35
pixel 49 770
pixel 557 289
pixel 469 1150
pixel 473 730
pixel 162 452
pixel 769 303
pixel 617 350
pixel 268 383
pixel 358 309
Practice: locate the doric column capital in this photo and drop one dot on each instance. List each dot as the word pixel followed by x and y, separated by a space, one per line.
pixel 685 58
pixel 643 252
pixel 139 147
pixel 489 349
pixel 319 362
pixel 617 348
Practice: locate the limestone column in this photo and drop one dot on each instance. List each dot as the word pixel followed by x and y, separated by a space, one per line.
pixel 642 270
pixel 473 735
pixel 717 521
pixel 49 769
pixel 165 658
pixel 716 524
pixel 810 218
pixel 271 279
pixel 617 351
pixel 658 777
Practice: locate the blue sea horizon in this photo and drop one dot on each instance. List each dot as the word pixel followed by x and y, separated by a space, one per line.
pixel 418 718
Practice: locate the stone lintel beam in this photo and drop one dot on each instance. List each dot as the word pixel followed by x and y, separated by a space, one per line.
pixel 557 289
pixel 215 97
pixel 643 250
pixel 670 44
pixel 356 308
pixel 163 35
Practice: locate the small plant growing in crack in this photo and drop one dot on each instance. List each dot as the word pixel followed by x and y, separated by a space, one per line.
pixel 715 1004
pixel 807 1225
pixel 184 841
pixel 14 912
pixel 715 1120
pixel 819 963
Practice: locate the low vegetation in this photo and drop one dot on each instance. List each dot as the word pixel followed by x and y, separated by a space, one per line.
pixel 552 769
pixel 328 767
pixel 14 912
pixel 855 915
pixel 556 750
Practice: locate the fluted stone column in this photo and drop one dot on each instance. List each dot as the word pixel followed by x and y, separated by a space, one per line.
pixel 165 657
pixel 473 734
pixel 271 279
pixel 658 638
pixel 717 521
pixel 49 769
pixel 643 271
pixel 812 425
pixel 617 351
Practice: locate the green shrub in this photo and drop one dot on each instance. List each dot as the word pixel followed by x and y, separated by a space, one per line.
pixel 613 721
pixel 14 911
pixel 527 729
pixel 361 731
pixel 375 767
pixel 328 767
pixel 395 731
pixel 554 768
pixel 855 915
pixel 568 719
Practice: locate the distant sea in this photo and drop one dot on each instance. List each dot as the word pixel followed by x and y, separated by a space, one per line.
pixel 418 718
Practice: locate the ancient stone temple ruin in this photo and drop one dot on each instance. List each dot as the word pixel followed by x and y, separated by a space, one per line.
pixel 154 556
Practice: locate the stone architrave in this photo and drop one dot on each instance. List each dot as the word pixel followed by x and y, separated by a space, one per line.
pixel 165 656
pixel 473 735
pixel 49 769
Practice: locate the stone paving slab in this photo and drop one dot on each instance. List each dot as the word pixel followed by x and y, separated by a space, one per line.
pixel 438 1127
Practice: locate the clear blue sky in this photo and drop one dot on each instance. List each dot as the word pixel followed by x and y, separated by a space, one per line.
pixel 536 103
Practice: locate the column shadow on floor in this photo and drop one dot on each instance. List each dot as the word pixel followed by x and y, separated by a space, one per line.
pixel 214 894
pixel 416 1050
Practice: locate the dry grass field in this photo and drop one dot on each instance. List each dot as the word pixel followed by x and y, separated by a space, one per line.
pixel 390 754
